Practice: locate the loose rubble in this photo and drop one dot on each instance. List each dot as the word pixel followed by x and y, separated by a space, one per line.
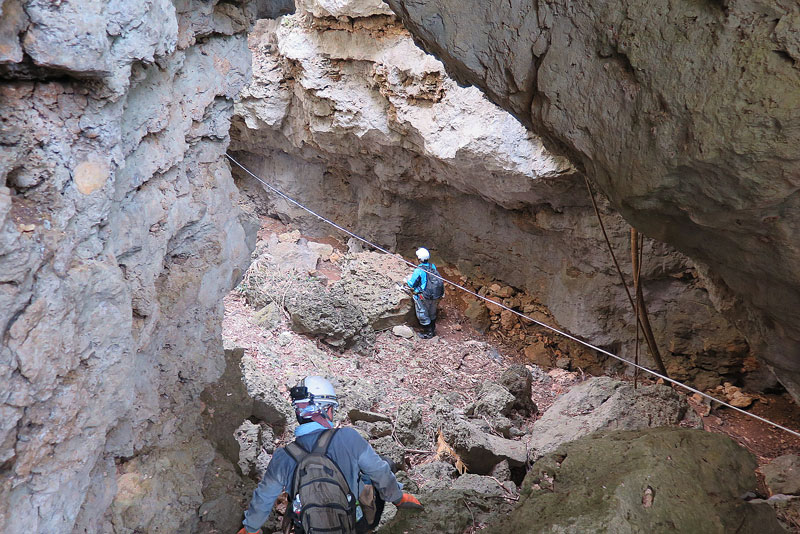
pixel 460 419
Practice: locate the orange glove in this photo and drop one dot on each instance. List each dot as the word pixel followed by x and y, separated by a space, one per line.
pixel 408 501
pixel 245 531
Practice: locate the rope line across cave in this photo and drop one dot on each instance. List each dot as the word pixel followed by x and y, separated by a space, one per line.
pixel 515 312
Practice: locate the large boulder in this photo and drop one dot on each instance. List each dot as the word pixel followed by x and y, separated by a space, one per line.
pixel 605 403
pixel 651 480
pixel 480 450
pixel 327 313
pixel 373 281
pixel 342 309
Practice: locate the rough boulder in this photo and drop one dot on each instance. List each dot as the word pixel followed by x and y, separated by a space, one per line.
pixel 607 404
pixel 652 480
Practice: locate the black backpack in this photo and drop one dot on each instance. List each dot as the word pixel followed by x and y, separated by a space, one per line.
pixel 434 287
pixel 326 503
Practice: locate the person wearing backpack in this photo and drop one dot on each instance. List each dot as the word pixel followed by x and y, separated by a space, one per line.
pixel 427 292
pixel 322 471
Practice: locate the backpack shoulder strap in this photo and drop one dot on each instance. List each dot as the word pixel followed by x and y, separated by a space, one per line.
pixel 296 452
pixel 324 441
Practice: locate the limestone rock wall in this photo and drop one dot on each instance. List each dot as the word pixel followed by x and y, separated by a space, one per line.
pixel 348 115
pixel 119 235
pixel 685 114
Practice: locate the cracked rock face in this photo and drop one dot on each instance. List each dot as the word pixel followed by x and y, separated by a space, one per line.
pixel 119 235
pixel 685 114
pixel 350 117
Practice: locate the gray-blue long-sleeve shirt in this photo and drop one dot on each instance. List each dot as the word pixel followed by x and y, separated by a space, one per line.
pixel 348 450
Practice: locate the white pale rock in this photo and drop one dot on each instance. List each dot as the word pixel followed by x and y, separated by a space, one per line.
pixel 344 8
pixel 403 331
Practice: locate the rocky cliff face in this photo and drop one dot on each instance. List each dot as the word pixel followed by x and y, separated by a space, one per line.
pixel 119 236
pixel 348 115
pixel 685 114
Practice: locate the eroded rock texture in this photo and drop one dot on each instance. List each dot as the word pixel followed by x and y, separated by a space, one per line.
pixel 685 113
pixel 119 236
pixel 349 116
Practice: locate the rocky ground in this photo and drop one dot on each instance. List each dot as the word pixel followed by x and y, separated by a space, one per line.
pixel 468 402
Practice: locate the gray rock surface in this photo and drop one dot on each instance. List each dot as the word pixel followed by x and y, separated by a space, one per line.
pixel 351 118
pixel 684 113
pixel 434 476
pixel 448 511
pixel 268 403
pixel 519 382
pixel 492 399
pixel 119 236
pixel 604 403
pixel 255 448
pixel 389 448
pixel 652 480
pixel 484 485
pixel 225 495
pixel 782 475
pixel 410 428
pixel 374 430
pixel 226 404
pixel 479 449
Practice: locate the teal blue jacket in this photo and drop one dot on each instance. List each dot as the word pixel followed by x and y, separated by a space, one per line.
pixel 418 280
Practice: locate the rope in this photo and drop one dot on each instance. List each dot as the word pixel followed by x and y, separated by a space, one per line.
pixel 515 312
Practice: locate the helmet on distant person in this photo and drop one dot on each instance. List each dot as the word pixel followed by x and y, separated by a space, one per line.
pixel 312 396
pixel 423 254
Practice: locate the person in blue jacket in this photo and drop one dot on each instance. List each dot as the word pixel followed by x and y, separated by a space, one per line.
pixel 314 401
pixel 425 308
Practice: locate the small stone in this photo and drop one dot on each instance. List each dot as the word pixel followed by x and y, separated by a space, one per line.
pixel 268 317
pixel 289 237
pixel 478 316
pixel 505 292
pixel 538 354
pixel 741 400
pixel 370 417
pixel 26 227
pixel 562 362
pixel 324 250
pixel 89 176
pixel 403 331
pixel 284 338
pixel 494 309
pixel 508 319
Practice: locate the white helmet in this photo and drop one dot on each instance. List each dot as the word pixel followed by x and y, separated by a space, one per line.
pixel 313 395
pixel 423 254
